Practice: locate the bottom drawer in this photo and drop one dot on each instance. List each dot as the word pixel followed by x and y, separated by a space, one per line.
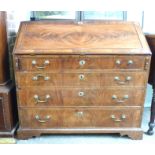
pixel 79 117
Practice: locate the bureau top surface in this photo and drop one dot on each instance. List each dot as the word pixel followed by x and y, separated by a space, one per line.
pixel 98 37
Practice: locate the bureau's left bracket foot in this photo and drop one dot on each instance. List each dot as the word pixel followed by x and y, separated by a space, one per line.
pixel 24 135
pixel 134 135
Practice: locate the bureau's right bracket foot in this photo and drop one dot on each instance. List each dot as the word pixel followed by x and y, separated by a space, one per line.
pixel 134 135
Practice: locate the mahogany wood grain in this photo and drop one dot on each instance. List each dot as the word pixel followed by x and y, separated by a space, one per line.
pixel 72 62
pixel 89 80
pixel 79 117
pixel 4 63
pixel 70 97
pixel 67 37
pixel 71 76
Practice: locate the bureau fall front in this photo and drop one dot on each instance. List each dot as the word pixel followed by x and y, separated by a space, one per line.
pixel 87 77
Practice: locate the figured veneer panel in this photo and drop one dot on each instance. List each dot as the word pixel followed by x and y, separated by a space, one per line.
pixel 71 97
pixel 78 117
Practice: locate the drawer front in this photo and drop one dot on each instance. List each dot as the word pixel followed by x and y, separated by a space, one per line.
pixel 33 97
pixel 129 62
pixel 59 79
pixel 79 117
pixel 124 79
pixel 51 63
pixel 82 79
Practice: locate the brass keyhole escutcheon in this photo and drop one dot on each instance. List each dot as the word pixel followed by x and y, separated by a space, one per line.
pixel 81 93
pixel 82 62
pixel 81 77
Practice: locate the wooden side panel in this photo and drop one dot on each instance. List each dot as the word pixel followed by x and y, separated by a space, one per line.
pixel 8 107
pixel 151 42
pixel 4 74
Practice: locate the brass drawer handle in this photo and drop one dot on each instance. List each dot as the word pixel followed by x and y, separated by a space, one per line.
pixel 81 77
pixel 82 62
pixel 46 62
pixel 122 117
pixel 125 97
pixel 36 78
pixel 127 79
pixel 130 62
pixel 118 62
pixel 80 114
pixel 37 117
pixel 81 93
pixel 37 99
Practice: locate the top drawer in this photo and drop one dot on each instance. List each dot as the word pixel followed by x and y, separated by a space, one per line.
pixel 69 62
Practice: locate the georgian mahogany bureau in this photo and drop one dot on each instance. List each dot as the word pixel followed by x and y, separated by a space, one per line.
pixel 84 77
pixel 8 107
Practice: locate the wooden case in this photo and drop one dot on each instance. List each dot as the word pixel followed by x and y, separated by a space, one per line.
pixel 4 63
pixel 8 110
pixel 8 106
pixel 87 77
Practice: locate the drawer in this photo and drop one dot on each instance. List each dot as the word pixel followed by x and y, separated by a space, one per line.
pixel 79 117
pixel 138 79
pixel 59 79
pixel 129 62
pixel 34 97
pixel 82 79
pixel 72 62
